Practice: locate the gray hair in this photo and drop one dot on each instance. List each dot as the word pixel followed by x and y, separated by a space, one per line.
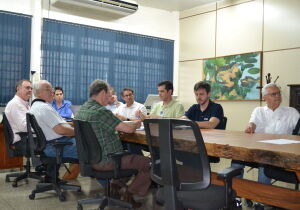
pixel 97 86
pixel 37 86
pixel 264 89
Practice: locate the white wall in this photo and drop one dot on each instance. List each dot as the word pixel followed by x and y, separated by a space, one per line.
pixel 146 21
pixel 240 26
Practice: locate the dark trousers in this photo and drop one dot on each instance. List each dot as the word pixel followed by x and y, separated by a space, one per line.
pixel 141 181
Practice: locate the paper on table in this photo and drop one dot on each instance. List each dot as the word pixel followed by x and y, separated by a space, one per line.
pixel 280 141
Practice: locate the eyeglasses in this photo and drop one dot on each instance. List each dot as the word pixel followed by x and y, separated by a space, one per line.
pixel 274 94
pixel 129 95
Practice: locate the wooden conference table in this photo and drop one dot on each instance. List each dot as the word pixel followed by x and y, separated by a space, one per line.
pixel 238 145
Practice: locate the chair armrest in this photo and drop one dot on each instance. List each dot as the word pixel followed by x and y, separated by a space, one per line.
pixel 229 173
pixel 59 146
pixel 22 134
pixel 116 157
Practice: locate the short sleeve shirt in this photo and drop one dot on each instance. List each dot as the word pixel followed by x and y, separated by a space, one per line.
pixel 281 121
pixel 47 119
pixel 129 112
pixel 15 111
pixel 103 123
pixel 213 110
pixel 173 110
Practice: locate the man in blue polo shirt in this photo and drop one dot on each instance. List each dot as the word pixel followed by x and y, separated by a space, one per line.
pixel 62 106
pixel 206 113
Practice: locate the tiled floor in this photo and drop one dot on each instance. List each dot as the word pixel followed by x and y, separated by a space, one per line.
pixel 17 198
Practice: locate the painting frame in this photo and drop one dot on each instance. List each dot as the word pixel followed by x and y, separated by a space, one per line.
pixel 235 77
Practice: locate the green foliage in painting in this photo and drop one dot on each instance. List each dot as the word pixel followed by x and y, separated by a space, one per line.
pixel 234 77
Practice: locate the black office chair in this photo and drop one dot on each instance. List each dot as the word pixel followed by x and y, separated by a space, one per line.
pixel 213 159
pixel 89 152
pixel 13 152
pixel 39 142
pixel 185 185
pixel 280 174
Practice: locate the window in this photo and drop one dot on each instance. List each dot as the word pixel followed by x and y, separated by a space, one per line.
pixel 15 40
pixel 75 55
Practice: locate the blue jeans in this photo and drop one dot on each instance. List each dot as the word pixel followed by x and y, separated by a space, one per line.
pixel 70 151
pixel 262 178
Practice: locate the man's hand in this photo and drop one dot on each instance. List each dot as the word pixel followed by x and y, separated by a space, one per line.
pixel 250 128
pixel 140 115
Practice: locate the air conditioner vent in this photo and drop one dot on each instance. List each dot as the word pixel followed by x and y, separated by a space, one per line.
pixel 114 6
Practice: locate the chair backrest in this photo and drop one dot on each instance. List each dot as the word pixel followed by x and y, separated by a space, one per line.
pixel 296 131
pixel 9 135
pixel 170 165
pixel 223 123
pixel 39 141
pixel 88 147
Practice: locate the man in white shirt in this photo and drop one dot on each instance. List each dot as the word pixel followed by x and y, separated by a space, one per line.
pixel 16 110
pixel 113 102
pixel 130 110
pixel 272 118
pixel 54 127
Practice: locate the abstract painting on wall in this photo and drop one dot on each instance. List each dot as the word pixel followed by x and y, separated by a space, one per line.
pixel 234 77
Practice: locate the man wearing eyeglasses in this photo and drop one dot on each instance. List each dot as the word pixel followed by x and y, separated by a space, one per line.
pixel 16 110
pixel 272 118
pixel 130 110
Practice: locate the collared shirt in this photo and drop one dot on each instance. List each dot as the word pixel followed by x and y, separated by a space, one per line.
pixel 47 118
pixel 113 107
pixel 15 112
pixel 173 110
pixel 281 121
pixel 212 110
pixel 103 123
pixel 65 109
pixel 129 111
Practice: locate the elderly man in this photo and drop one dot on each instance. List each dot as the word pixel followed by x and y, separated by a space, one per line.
pixel 272 118
pixel 105 126
pixel 206 113
pixel 16 110
pixel 54 127
pixel 167 108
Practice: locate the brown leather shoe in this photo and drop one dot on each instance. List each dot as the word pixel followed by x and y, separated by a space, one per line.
pixel 74 169
pixel 128 197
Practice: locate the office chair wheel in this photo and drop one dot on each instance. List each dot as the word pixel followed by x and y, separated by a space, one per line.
pixel 14 184
pixel 79 207
pixel 62 197
pixel 31 196
pixel 249 203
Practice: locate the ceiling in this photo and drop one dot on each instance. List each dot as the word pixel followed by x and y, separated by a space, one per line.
pixel 173 5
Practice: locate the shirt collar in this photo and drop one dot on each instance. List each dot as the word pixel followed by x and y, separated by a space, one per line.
pixel 170 104
pixel 266 108
pixel 25 103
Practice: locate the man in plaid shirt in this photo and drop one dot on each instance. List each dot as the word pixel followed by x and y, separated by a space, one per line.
pixel 106 127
